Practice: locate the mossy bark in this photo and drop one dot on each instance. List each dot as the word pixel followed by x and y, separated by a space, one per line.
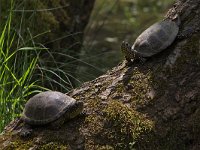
pixel 154 105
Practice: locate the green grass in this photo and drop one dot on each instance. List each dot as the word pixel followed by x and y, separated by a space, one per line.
pixel 16 70
pixel 22 73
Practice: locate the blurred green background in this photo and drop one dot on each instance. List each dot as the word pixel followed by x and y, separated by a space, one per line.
pixel 113 21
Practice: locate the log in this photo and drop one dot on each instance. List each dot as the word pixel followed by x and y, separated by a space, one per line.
pixel 154 105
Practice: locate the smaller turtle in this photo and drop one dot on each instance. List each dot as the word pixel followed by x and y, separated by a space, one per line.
pixel 49 108
pixel 153 40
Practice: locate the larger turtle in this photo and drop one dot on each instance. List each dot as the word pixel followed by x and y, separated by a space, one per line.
pixel 153 40
pixel 50 108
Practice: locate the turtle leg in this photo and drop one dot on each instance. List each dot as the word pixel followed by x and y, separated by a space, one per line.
pixel 143 60
pixel 57 123
pixel 26 131
pixel 129 56
pixel 139 58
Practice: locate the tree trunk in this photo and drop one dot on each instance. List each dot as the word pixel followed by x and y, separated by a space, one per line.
pixel 154 105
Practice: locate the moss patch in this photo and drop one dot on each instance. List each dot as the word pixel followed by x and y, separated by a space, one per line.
pixel 19 144
pixel 123 125
pixel 53 146
pixel 115 127
pixel 141 83
pixel 138 89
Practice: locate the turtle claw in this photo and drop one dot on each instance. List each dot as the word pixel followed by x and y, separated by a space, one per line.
pixel 25 132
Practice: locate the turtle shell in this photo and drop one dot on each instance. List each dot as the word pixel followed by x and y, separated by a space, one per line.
pixel 46 107
pixel 156 38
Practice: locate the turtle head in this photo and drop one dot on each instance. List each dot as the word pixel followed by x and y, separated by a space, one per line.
pixel 74 110
pixel 125 47
pixel 126 50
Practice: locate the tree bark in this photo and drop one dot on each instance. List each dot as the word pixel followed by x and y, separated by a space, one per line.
pixel 154 105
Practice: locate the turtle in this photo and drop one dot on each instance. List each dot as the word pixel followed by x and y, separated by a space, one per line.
pixel 153 40
pixel 49 108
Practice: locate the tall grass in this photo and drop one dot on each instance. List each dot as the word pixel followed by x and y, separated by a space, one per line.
pixel 16 70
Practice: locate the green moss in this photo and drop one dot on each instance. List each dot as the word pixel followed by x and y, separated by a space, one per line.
pixel 105 147
pixel 126 119
pixel 92 121
pixel 53 146
pixel 124 125
pixel 139 85
pixel 114 124
pixel 19 144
